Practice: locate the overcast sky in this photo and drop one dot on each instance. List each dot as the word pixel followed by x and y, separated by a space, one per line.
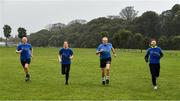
pixel 36 14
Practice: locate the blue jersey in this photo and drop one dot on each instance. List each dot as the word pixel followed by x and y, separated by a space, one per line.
pixel 154 55
pixel 25 51
pixel 106 53
pixel 65 55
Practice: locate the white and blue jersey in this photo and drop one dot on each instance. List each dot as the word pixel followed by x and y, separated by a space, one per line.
pixel 106 53
pixel 25 51
pixel 154 55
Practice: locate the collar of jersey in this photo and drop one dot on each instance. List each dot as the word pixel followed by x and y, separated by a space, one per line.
pixel 154 47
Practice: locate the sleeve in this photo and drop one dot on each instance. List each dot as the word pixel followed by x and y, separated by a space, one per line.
pixel 161 53
pixel 111 46
pixel 98 48
pixel 30 47
pixel 18 47
pixel 60 51
pixel 71 52
pixel 147 55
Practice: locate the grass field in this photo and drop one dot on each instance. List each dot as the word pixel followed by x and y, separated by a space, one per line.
pixel 130 77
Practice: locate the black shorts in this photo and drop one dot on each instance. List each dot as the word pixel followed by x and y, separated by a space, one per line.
pixel 154 69
pixel 65 68
pixel 103 62
pixel 25 61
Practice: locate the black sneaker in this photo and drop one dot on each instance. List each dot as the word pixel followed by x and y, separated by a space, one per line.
pixel 66 83
pixel 27 78
pixel 103 82
pixel 107 81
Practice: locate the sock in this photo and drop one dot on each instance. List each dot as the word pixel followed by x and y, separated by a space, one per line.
pixel 103 78
pixel 107 77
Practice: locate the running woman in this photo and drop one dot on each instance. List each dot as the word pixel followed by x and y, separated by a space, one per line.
pixel 26 52
pixel 153 56
pixel 104 50
pixel 65 56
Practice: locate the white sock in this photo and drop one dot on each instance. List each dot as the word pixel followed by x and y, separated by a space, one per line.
pixel 107 77
pixel 103 78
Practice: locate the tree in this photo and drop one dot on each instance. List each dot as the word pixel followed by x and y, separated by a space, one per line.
pixel 138 41
pixel 80 21
pixel 21 32
pixel 128 13
pixel 104 34
pixel 7 31
pixel 175 42
pixel 121 38
pixel 163 42
pixel 176 23
pixel 148 24
pixel 40 38
pixel 175 9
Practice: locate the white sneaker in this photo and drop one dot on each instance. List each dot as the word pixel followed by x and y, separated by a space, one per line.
pixel 155 87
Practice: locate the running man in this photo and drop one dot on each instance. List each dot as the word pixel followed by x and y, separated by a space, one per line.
pixel 65 56
pixel 153 56
pixel 26 52
pixel 104 50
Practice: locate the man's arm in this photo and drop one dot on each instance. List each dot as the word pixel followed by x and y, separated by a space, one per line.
pixel 31 52
pixel 161 53
pixel 18 50
pixel 98 52
pixel 113 51
pixel 71 57
pixel 59 58
pixel 147 56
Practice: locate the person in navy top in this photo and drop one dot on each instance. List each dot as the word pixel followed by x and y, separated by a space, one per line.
pixel 104 51
pixel 26 52
pixel 65 56
pixel 153 56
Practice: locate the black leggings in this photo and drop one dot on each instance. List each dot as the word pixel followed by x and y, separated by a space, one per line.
pixel 65 69
pixel 154 69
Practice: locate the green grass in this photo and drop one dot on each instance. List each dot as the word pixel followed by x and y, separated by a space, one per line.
pixel 130 77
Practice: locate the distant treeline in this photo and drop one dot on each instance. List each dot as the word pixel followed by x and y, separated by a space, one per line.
pixel 126 30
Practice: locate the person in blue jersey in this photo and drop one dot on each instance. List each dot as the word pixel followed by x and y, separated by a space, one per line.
pixel 65 56
pixel 26 52
pixel 104 51
pixel 153 56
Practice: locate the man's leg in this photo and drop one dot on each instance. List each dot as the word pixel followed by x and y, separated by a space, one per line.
pixel 157 70
pixel 107 72
pixel 103 75
pixel 103 70
pixel 67 73
pixel 63 69
pixel 153 75
pixel 26 70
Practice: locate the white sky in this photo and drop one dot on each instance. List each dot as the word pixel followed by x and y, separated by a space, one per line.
pixel 36 14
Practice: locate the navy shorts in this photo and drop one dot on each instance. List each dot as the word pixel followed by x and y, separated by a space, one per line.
pixel 65 68
pixel 103 62
pixel 25 61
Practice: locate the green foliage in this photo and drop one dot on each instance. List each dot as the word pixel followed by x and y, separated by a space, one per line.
pixel 21 32
pixel 121 38
pixel 130 32
pixel 7 32
pixel 175 42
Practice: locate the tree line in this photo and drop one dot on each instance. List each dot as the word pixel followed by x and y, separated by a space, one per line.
pixel 125 30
